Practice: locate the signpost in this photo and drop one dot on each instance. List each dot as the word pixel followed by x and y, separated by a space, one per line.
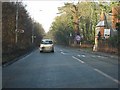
pixel 106 33
pixel 97 30
pixel 78 38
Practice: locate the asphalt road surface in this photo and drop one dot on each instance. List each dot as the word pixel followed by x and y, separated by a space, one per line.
pixel 65 68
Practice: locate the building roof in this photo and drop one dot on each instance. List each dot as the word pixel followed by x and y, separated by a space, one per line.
pixel 101 24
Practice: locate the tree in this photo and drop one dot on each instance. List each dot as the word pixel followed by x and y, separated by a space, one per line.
pixel 9 46
pixel 38 32
pixel 81 17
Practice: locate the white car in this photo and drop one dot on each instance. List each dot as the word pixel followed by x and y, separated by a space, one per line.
pixel 46 45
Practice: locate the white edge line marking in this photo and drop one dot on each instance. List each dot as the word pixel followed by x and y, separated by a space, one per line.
pixel 26 56
pixel 101 56
pixel 78 59
pixel 118 82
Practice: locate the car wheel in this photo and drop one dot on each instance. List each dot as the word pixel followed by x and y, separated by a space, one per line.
pixel 41 51
pixel 53 51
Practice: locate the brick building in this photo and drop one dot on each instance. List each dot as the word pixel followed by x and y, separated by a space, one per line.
pixel 109 21
pixel 115 16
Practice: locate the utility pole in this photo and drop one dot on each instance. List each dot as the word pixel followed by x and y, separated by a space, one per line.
pixel 16 31
pixel 95 48
pixel 33 31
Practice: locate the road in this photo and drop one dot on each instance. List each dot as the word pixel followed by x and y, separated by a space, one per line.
pixel 65 68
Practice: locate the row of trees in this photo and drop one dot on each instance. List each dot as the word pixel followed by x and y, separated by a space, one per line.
pixel 78 18
pixel 30 27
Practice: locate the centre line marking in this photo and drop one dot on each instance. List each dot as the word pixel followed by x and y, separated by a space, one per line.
pixel 81 55
pixel 63 53
pixel 61 50
pixel 115 80
pixel 78 59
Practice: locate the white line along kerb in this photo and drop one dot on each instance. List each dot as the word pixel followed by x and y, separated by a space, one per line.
pixel 27 56
pixel 78 59
pixel 118 82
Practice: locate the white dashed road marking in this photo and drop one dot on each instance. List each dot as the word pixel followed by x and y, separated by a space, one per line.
pixel 81 55
pixel 61 50
pixel 98 56
pixel 93 56
pixel 78 59
pixel 115 80
pixel 63 53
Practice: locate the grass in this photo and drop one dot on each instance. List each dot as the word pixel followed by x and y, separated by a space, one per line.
pixel 7 57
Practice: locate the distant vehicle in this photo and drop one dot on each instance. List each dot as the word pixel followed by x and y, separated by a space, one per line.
pixel 46 45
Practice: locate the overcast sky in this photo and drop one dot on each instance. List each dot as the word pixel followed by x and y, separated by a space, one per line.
pixel 44 12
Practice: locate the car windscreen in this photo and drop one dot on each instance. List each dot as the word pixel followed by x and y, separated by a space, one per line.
pixel 46 42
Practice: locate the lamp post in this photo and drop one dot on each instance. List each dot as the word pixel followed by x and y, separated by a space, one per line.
pixel 16 30
pixel 33 31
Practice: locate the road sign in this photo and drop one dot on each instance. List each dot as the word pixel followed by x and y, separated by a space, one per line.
pixel 106 33
pixel 78 38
